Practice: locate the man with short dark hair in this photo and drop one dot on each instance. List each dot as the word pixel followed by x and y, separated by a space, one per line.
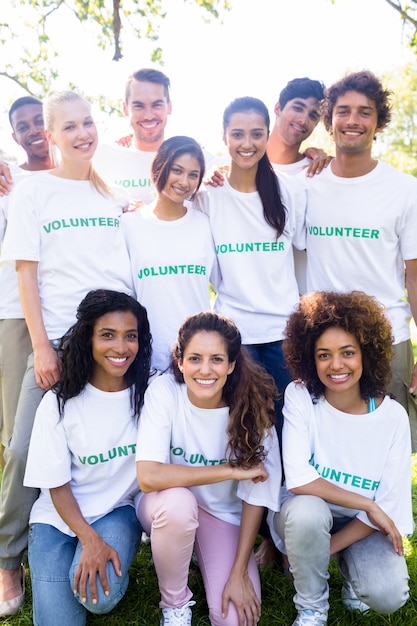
pixel 297 114
pixel 147 104
pixel 26 119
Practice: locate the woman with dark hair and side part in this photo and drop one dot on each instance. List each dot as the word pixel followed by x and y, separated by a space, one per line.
pixel 170 246
pixel 207 463
pixel 84 532
pixel 346 454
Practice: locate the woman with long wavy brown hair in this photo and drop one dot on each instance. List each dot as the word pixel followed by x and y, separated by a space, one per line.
pixel 208 462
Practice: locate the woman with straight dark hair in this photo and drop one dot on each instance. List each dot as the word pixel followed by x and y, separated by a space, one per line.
pixel 208 462
pixel 255 220
pixel 84 532
pixel 170 245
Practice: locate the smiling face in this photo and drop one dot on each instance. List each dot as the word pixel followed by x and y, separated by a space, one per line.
pixel 74 131
pixel 205 366
pixel 29 132
pixel 114 345
pixel 338 359
pixel 297 119
pixel 183 179
pixel 148 109
pixel 354 123
pixel 246 137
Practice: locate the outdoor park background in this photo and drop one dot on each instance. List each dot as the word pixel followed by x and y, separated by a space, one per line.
pixel 254 49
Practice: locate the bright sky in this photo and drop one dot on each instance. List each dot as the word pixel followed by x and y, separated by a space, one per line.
pixel 258 47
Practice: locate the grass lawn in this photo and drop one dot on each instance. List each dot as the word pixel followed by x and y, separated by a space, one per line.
pixel 140 605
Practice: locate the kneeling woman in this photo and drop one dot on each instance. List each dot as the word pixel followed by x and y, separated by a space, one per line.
pixel 346 453
pixel 84 531
pixel 206 444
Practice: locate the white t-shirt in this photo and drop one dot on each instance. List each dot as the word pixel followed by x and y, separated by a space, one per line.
pixel 258 289
pixel 128 168
pixel 300 256
pixel 366 454
pixel 172 263
pixel 291 169
pixel 74 234
pixel 359 232
pixel 10 307
pixel 172 430
pixel 92 447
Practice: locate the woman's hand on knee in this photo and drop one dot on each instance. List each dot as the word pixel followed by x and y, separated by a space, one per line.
pixel 240 591
pixel 386 525
pixel 94 558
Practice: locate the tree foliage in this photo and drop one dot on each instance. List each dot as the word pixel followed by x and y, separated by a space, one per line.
pixel 408 13
pixel 398 143
pixel 28 55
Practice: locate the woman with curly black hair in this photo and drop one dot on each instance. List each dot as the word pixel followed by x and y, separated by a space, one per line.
pixel 84 532
pixel 205 444
pixel 346 454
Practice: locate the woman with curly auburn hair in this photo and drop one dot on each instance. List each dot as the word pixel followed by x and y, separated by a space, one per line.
pixel 357 314
pixel 346 454
pixel 208 462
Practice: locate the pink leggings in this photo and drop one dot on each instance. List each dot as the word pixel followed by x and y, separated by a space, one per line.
pixel 177 525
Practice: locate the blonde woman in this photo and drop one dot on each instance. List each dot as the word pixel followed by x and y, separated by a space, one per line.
pixel 65 239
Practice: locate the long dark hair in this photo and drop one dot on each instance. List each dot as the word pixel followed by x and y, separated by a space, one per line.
pixel 266 180
pixel 249 391
pixel 77 358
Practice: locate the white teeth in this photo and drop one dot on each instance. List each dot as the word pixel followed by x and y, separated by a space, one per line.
pixel 246 154
pixel 115 359
pixel 352 133
pixel 339 376
pixel 203 381
pixel 36 142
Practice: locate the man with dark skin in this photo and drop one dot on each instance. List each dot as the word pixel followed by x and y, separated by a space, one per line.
pixel 26 119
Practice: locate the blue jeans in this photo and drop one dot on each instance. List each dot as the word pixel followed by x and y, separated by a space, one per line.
pixel 377 574
pixel 271 356
pixel 54 558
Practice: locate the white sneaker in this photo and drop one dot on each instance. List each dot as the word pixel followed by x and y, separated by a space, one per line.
pixel 177 617
pixel 145 539
pixel 351 601
pixel 308 617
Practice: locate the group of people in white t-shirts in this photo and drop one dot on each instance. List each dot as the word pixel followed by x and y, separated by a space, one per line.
pixel 141 408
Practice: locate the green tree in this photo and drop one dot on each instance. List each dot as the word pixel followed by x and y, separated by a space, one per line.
pixel 408 13
pixel 398 142
pixel 28 56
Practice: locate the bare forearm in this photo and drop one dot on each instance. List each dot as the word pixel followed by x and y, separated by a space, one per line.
pixel 157 476
pixel 31 305
pixel 335 495
pixel 67 507
pixel 249 528
pixel 353 531
pixel 153 476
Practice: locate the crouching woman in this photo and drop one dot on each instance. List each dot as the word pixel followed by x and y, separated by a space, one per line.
pixel 84 532
pixel 346 454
